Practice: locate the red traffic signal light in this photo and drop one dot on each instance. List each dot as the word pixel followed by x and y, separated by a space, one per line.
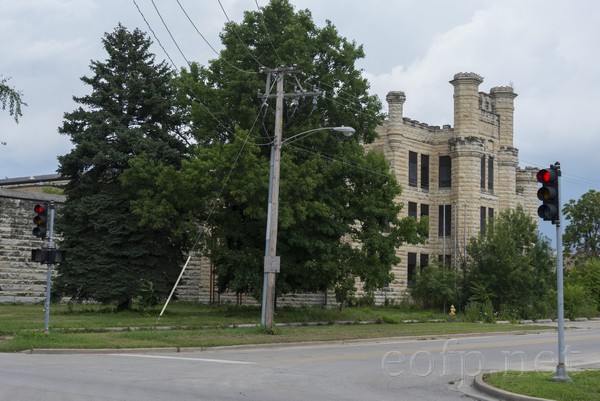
pixel 547 176
pixel 40 220
pixel 548 194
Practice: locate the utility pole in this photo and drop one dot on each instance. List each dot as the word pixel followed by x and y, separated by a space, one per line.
pixel 272 261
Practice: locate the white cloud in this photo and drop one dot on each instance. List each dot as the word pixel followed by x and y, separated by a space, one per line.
pixel 546 49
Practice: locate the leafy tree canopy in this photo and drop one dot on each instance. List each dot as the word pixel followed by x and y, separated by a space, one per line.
pixel 338 216
pixel 130 112
pixel 511 263
pixel 582 235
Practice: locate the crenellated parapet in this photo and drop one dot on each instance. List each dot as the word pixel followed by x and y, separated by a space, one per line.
pixel 467 146
pixel 508 156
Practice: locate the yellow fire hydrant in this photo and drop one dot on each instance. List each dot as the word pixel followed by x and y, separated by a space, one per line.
pixel 452 310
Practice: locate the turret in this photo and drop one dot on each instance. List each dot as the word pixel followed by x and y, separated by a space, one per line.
pixel 503 105
pixel 395 101
pixel 466 103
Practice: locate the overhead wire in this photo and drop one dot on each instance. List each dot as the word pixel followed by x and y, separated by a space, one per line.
pixel 211 210
pixel 267 32
pixel 169 31
pixel 153 33
pixel 332 158
pixel 573 178
pixel 340 100
pixel 233 164
pixel 208 43
pixel 261 65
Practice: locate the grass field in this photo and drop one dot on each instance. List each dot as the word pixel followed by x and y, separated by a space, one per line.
pixel 193 325
pixel 584 387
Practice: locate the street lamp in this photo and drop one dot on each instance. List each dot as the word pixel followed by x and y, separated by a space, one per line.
pixel 271 263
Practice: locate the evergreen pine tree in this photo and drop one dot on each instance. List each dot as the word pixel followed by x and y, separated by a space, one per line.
pixel 130 112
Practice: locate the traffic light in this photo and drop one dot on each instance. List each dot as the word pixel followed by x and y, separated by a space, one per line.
pixel 48 255
pixel 548 194
pixel 40 220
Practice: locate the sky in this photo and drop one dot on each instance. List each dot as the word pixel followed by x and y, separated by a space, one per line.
pixel 547 50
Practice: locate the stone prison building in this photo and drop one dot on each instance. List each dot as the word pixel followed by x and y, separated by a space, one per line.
pixel 460 177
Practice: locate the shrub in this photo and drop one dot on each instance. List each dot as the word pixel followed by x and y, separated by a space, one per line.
pixel 578 302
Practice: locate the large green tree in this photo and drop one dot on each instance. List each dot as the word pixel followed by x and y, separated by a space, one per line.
pixel 338 211
pixel 130 112
pixel 582 235
pixel 511 266
pixel 11 98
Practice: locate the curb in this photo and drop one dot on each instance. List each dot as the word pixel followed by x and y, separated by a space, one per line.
pixel 485 388
pixel 376 340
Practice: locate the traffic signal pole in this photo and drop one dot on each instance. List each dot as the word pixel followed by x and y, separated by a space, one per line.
pixel 561 370
pixel 49 269
pixel 550 210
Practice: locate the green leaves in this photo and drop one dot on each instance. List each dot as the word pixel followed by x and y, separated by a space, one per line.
pixel 338 220
pixel 511 263
pixel 12 98
pixel 582 235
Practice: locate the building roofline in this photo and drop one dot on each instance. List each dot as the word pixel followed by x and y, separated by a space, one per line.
pixel 35 196
pixel 32 179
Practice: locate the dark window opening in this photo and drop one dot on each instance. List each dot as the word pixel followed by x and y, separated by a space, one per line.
pixel 445 180
pixel 483 172
pixel 425 211
pixel 482 220
pixel 445 260
pixel 425 171
pixel 411 269
pixel 412 210
pixel 445 220
pixel 412 169
pixel 491 174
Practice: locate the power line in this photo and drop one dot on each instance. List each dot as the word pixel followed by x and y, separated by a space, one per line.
pixel 169 31
pixel 245 140
pixel 566 176
pixel 196 28
pixel 154 33
pixel 208 43
pixel 261 12
pixel 332 158
pixel 238 36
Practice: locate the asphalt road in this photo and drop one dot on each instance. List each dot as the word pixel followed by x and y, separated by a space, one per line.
pixel 394 369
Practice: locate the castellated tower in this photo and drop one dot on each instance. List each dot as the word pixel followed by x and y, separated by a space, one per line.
pixel 460 177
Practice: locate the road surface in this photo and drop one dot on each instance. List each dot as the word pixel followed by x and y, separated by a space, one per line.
pixel 392 369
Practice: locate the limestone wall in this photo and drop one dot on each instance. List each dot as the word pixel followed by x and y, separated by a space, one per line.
pixel 485 177
pixel 20 279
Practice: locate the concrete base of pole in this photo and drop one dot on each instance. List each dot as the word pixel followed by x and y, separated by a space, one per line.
pixel 561 374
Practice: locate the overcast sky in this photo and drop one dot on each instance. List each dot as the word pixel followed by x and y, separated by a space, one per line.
pixel 548 50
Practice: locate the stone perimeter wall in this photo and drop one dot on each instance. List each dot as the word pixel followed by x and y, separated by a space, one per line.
pixel 24 281
pixel 20 279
